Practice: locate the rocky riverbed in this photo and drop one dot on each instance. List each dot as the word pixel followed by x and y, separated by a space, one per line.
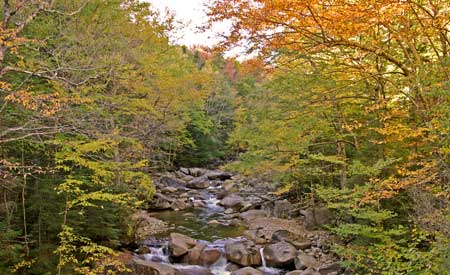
pixel 210 222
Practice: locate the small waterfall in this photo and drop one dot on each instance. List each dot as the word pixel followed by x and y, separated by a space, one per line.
pixel 219 267
pixel 157 254
pixel 264 268
pixel 263 260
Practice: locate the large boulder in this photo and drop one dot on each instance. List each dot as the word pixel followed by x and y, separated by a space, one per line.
pixel 161 202
pixel 178 205
pixel 200 254
pixel 247 271
pixel 218 175
pixel 317 217
pixel 243 253
pixel 282 209
pixel 209 256
pixel 232 201
pixel 198 183
pixel 193 255
pixel 145 226
pixel 280 254
pixel 180 244
pixel 304 261
pixel 197 172
pixel 257 235
pixel 249 215
pixel 298 241
pixel 170 181
pixel 141 267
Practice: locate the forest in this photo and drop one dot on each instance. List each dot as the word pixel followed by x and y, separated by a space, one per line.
pixel 337 109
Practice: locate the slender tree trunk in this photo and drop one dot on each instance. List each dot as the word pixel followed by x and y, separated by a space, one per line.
pixel 343 167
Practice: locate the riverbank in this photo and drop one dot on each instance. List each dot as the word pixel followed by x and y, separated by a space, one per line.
pixel 216 223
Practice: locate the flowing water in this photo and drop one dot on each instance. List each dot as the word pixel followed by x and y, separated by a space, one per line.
pixel 197 224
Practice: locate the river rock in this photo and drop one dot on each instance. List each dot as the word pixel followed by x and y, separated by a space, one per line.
pixel 150 268
pixel 198 183
pixel 193 270
pixel 249 215
pixel 295 272
pixel 169 190
pixel 197 172
pixel 232 201
pixel 199 204
pixel 184 171
pixel 170 181
pixel 228 185
pixel 178 205
pixel 303 261
pixel 193 255
pixel 145 226
pixel 213 222
pixel 180 244
pixel 232 267
pixel 209 256
pixel 218 175
pixel 257 235
pixel 331 268
pixel 280 254
pixel 247 271
pixel 317 217
pixel 143 249
pixel 243 253
pixel 282 209
pixel 161 202
pixel 286 236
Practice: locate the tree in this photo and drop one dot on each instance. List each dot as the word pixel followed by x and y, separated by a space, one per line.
pixel 356 101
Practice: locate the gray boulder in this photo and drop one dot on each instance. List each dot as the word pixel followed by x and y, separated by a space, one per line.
pixel 145 226
pixel 218 175
pixel 192 257
pixel 209 256
pixel 161 202
pixel 299 242
pixel 178 205
pixel 253 214
pixel 198 183
pixel 303 261
pixel 180 244
pixel 317 217
pixel 280 254
pixel 170 181
pixel 197 172
pixel 282 209
pixel 243 253
pixel 232 201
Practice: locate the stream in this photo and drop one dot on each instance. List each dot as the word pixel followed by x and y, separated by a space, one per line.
pixel 210 226
pixel 209 222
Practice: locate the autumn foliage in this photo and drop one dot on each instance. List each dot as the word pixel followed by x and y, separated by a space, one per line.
pixel 356 107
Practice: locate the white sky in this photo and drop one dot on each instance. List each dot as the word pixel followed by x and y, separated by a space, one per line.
pixel 193 13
